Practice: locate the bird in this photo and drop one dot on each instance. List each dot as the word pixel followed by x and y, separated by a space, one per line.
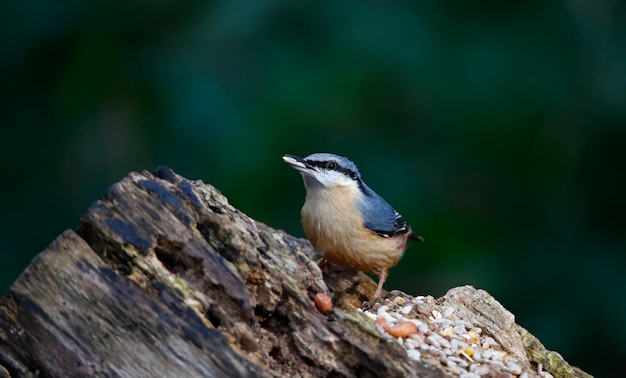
pixel 346 221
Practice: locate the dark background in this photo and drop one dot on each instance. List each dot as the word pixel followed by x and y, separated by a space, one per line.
pixel 497 129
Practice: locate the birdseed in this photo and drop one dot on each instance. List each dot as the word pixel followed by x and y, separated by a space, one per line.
pixel 442 336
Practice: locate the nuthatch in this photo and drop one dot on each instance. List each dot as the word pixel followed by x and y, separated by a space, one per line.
pixel 346 221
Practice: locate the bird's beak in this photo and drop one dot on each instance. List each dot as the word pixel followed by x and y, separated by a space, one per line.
pixel 298 163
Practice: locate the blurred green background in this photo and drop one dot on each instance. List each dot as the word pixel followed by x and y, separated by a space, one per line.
pixel 496 128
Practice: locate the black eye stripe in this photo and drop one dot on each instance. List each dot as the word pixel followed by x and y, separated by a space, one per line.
pixel 348 172
pixel 332 165
pixel 324 164
pixel 315 163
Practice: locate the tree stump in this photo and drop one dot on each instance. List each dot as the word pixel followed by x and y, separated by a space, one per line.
pixel 163 278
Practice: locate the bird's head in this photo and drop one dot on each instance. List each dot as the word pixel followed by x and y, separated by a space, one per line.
pixel 324 170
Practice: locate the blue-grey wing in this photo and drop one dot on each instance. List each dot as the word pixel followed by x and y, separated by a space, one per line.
pixel 379 216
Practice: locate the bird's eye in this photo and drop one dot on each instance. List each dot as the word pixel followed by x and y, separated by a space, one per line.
pixel 331 165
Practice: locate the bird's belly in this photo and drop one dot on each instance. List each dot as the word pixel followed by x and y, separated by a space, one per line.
pixel 349 243
pixel 371 254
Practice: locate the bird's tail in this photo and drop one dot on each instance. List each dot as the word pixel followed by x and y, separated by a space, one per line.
pixel 415 237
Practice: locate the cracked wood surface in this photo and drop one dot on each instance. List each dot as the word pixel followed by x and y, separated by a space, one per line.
pixel 163 277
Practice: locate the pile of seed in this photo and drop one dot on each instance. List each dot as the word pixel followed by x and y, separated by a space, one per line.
pixel 461 347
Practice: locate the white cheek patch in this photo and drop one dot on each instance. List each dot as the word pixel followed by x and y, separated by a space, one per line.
pixel 334 178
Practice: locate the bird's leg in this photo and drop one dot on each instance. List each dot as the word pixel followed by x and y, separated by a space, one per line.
pixel 382 276
pixel 322 263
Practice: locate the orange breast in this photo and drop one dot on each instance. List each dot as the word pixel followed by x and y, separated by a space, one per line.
pixel 335 228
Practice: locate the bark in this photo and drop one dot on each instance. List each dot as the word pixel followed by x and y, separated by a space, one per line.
pixel 164 278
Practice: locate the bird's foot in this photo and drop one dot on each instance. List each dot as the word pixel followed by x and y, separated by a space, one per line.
pixel 322 263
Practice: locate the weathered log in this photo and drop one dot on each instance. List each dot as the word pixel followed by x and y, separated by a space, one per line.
pixel 163 278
